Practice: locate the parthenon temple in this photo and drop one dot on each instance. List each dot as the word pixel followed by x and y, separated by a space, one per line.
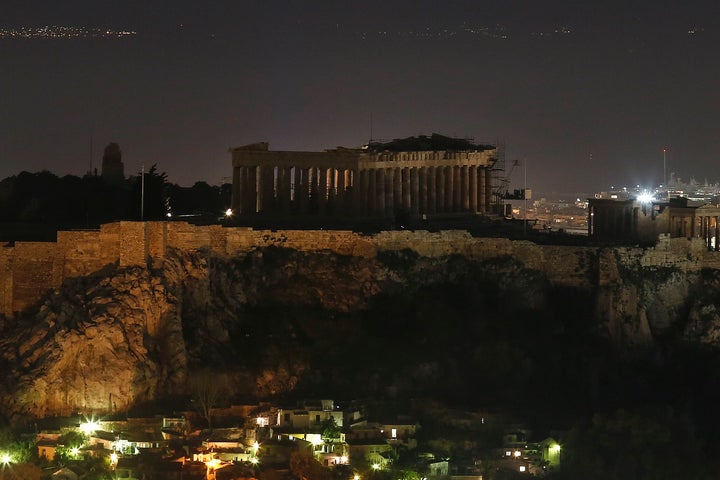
pixel 418 176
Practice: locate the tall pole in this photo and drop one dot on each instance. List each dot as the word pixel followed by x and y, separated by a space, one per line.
pixel 667 190
pixel 142 193
pixel 92 134
pixel 525 197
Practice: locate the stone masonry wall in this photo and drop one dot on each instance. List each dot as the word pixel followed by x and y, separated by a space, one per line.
pixel 30 269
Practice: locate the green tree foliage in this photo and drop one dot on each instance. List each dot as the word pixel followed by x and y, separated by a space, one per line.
pixel 201 199
pixel 68 444
pixel 654 445
pixel 331 431
pixel 18 450
pixel 67 202
pixel 149 197
pixel 50 203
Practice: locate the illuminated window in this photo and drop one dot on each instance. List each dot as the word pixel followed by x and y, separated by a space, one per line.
pixel 393 433
pixel 522 468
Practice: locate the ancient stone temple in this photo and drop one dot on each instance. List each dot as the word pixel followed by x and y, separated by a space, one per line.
pixel 631 220
pixel 417 177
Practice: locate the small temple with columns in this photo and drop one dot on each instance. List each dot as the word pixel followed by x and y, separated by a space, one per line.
pixel 635 220
pixel 417 177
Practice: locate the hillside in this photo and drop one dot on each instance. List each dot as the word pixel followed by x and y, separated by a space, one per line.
pixel 490 333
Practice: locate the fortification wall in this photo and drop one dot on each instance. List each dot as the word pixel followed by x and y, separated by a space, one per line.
pixel 35 270
pixel 30 269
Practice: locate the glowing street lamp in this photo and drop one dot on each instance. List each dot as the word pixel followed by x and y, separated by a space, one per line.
pixel 89 427
pixel 5 458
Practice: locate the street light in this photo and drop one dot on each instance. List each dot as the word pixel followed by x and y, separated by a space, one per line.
pixel 89 427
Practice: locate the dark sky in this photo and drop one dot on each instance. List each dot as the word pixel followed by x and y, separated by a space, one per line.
pixel 584 109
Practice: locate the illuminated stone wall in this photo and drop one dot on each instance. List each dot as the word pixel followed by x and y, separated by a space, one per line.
pixel 30 269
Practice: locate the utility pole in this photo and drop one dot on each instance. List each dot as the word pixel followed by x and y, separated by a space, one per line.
pixel 142 193
pixel 525 197
pixel 667 190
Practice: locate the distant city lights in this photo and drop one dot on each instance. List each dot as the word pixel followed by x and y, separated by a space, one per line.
pixel 63 32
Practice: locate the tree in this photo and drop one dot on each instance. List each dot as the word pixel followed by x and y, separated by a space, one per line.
pixel 207 389
pixel 149 198
pixel 331 431
pixel 68 446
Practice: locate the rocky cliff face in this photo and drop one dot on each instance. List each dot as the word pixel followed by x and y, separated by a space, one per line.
pixel 645 305
pixel 107 341
pixel 276 320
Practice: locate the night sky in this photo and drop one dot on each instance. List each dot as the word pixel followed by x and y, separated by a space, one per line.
pixel 585 93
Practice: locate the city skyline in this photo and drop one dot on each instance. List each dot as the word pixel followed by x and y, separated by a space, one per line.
pixel 586 97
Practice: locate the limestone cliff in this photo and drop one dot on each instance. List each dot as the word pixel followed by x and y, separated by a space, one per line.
pixel 275 319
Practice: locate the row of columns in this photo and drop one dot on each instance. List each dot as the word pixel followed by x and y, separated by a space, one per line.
pixel 709 231
pixel 424 190
pixel 370 192
pixel 287 190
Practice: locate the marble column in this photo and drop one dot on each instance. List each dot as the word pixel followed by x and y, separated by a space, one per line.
pixel 488 188
pixel 406 188
pixel 423 190
pixel 414 192
pixel 302 191
pixel 473 189
pixel 482 205
pixel 464 188
pixel 457 189
pixel 440 183
pixel 361 194
pixel 389 192
pixel 238 190
pixel 284 189
pixel 252 190
pixel 432 190
pixel 449 189
pixel 371 193
pixel 397 189
pixel 380 191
